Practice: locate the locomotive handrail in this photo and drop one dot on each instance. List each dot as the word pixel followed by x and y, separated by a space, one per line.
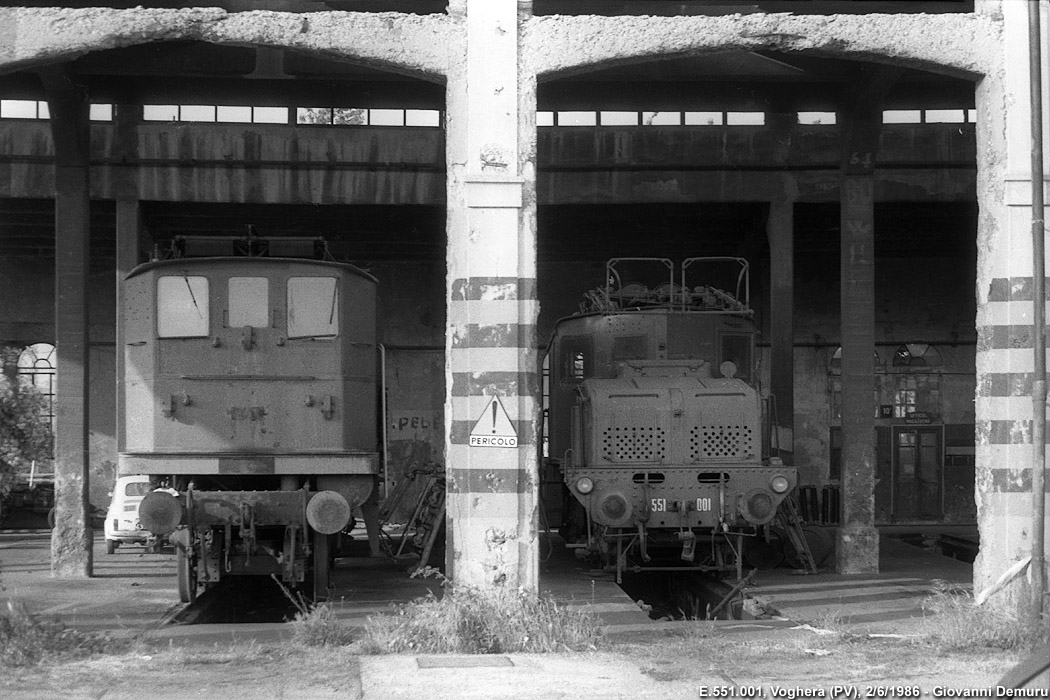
pixel 614 295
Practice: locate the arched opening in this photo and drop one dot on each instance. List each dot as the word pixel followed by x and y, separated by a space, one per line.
pixel 739 152
pixel 202 140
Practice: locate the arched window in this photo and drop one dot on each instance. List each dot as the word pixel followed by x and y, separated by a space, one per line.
pixel 835 366
pixel 36 368
pixel 917 355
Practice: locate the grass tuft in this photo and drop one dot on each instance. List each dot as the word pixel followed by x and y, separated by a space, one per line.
pixel 315 625
pixel 319 627
pixel 27 640
pixel 471 621
pixel 957 624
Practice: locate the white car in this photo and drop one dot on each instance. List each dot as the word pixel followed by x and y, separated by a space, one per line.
pixel 122 519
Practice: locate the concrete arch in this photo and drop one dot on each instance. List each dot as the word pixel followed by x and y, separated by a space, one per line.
pixel 413 45
pixel 964 45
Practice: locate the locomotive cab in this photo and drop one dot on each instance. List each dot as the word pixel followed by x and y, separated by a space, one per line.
pixel 250 384
pixel 657 426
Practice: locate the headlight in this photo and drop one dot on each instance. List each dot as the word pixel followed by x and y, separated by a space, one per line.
pixel 584 485
pixel 779 484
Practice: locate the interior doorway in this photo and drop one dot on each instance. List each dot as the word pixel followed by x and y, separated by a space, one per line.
pixel 918 473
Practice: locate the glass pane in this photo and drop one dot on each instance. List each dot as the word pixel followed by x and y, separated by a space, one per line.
pixel 661 118
pixel 101 113
pixel 816 117
pixel 422 117
pixel 182 307
pixel 313 307
pixel 350 116
pixel 249 302
pixel 544 118
pixel 137 488
pixel 270 115
pixel 901 116
pixel 619 118
pixel 745 118
pixel 945 116
pixel 160 113
pixel 237 115
pixel 703 118
pixel 197 113
pixel 737 349
pixel 313 115
pixel 18 109
pixel 577 118
pixel 386 117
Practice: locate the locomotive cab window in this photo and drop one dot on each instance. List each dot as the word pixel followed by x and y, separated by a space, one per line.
pixel 736 348
pixel 182 306
pixel 249 302
pixel 313 307
pixel 576 357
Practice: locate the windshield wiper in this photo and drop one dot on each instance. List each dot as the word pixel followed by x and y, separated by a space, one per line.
pixel 193 298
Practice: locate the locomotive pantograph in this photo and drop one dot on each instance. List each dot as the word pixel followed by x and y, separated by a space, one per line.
pixel 250 387
pixel 655 420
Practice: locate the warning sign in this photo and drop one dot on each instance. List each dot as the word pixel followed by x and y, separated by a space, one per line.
pixel 494 428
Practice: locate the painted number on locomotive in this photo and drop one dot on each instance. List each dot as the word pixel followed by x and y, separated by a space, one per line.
pixel 659 505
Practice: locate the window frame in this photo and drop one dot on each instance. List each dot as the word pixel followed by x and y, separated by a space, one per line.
pixel 205 298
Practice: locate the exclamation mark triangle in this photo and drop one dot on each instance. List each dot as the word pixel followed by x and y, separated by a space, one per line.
pixel 494 427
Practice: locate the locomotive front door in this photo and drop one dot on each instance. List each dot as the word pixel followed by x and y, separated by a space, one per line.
pixel 918 473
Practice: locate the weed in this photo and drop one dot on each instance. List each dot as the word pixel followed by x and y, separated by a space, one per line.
pixel 320 628
pixel 955 623
pixel 471 621
pixel 315 625
pixel 27 640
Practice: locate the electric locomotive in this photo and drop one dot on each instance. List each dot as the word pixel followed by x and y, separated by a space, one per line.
pixel 655 420
pixel 250 388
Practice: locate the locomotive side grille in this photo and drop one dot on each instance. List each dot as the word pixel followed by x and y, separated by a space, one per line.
pixel 634 444
pixel 720 442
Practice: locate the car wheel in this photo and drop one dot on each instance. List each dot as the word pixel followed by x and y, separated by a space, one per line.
pixel 111 546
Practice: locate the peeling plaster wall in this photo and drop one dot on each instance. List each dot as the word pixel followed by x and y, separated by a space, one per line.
pixel 959 44
pixel 411 44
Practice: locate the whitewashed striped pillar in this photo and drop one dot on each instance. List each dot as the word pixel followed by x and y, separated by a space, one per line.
pixel 492 303
pixel 1005 340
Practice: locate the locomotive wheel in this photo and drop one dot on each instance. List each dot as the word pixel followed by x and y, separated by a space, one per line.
pixel 322 565
pixel 765 552
pixel 187 574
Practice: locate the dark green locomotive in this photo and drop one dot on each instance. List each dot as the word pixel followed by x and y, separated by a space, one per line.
pixel 656 422
pixel 250 386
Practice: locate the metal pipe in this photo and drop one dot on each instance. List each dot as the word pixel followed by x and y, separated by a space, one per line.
pixel 385 465
pixel 1038 314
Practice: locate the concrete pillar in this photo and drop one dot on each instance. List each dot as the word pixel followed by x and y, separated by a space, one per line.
pixel 781 231
pixel 71 539
pixel 131 248
pixel 858 546
pixel 1005 358
pixel 492 380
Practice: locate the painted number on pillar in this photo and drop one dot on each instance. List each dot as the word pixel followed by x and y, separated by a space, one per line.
pixel 862 159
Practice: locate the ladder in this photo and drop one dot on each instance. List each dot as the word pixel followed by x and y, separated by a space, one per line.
pixel 788 521
pixel 420 533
